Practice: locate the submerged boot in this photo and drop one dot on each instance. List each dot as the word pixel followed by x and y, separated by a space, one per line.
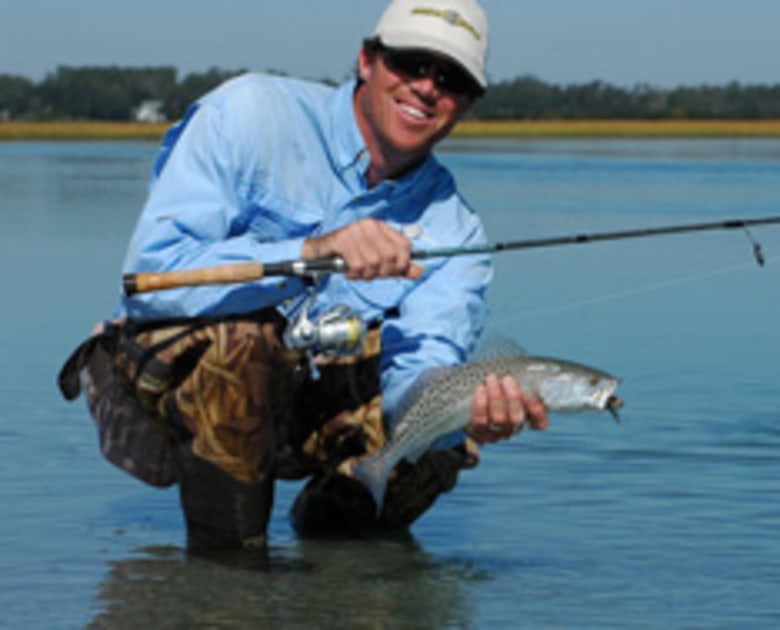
pixel 414 488
pixel 220 511
pixel 333 505
pixel 337 505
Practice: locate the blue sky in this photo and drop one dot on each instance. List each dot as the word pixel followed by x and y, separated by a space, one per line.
pixel 624 42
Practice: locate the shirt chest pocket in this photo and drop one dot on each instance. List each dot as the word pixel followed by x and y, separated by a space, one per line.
pixel 271 218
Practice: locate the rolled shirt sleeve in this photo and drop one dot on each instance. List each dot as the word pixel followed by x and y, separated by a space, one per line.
pixel 194 218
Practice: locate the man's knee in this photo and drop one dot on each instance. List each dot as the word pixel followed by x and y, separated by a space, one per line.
pixel 230 401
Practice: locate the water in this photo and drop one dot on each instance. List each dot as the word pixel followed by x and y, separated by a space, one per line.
pixel 669 520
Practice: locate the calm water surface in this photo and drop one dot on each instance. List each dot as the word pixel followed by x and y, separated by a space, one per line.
pixel 668 520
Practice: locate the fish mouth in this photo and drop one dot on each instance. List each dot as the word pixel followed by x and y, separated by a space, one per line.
pixel 613 404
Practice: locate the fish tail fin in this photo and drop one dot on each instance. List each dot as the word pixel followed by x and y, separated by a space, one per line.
pixel 373 473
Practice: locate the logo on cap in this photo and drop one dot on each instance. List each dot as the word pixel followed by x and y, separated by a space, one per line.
pixel 451 17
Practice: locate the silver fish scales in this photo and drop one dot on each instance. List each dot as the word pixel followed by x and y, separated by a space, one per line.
pixel 441 401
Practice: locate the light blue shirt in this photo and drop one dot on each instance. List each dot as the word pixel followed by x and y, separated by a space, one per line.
pixel 263 162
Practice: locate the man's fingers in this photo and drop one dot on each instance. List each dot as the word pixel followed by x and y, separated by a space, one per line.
pixel 415 271
pixel 523 408
pixel 480 428
pixel 479 408
pixel 536 413
pixel 371 249
pixel 497 407
pixel 516 412
pixel 501 409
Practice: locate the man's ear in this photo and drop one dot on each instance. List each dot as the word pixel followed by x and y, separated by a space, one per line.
pixel 365 64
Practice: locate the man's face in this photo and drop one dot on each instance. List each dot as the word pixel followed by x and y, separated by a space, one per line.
pixel 402 116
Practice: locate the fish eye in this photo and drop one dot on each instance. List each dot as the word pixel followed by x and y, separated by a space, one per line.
pixel 594 380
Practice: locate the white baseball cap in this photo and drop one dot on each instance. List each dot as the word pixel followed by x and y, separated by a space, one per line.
pixel 456 28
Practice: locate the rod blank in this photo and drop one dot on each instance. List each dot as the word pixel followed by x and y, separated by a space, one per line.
pixel 134 283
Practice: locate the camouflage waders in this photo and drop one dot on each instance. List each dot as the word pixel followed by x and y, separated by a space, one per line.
pixel 222 408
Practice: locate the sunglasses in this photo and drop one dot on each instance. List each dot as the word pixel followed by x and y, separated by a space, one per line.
pixel 416 64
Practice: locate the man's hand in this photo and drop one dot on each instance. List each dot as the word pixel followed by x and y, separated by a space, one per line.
pixel 370 248
pixel 500 410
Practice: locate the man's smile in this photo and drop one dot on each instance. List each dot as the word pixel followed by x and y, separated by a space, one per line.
pixel 413 111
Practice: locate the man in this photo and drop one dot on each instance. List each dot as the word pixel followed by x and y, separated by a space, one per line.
pixel 269 169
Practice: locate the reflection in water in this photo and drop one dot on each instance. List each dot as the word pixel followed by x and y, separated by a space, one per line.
pixel 365 583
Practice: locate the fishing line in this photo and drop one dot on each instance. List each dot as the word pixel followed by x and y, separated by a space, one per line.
pixel 617 295
pixel 648 288
pixel 758 253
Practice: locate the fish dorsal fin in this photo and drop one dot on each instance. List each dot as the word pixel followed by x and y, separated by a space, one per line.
pixel 497 345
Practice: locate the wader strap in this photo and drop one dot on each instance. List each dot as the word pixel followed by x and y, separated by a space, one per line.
pixel 69 378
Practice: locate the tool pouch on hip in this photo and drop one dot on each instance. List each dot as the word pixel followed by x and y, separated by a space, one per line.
pixel 130 436
pixel 151 385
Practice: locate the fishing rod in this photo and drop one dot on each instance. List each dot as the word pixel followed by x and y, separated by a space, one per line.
pixel 134 283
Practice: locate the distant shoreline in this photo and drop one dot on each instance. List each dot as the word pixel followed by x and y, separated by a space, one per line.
pixel 89 130
pixel 620 128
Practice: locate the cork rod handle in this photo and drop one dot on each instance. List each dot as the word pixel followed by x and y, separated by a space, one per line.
pixel 134 283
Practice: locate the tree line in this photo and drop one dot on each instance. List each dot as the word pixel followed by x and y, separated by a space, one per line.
pixel 116 93
pixel 104 92
pixel 528 98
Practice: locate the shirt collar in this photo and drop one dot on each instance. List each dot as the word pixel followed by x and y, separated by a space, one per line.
pixel 348 145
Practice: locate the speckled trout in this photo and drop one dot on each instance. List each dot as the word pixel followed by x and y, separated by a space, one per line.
pixel 441 401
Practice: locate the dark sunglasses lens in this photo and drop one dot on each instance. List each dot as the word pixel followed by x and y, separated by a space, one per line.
pixel 418 64
pixel 410 62
pixel 451 78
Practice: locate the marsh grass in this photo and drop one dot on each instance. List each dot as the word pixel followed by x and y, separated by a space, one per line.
pixel 620 128
pixel 92 130
pixel 81 130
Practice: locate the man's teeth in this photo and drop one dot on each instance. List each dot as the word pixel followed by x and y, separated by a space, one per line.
pixel 413 111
